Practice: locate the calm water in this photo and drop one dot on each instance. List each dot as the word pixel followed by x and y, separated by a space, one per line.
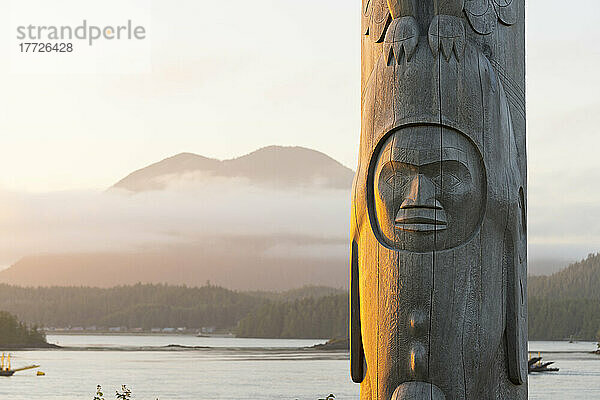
pixel 238 369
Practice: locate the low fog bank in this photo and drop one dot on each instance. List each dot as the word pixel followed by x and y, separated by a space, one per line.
pixel 564 217
pixel 232 232
pixel 221 222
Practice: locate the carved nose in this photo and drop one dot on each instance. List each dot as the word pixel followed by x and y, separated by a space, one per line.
pixel 421 194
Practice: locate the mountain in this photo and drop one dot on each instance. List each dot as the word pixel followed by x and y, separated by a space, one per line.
pixel 148 178
pixel 276 166
pixel 274 219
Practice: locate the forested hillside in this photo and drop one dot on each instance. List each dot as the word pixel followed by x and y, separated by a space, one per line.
pixel 324 317
pixel 558 319
pixel 298 294
pixel 144 306
pixel 580 280
pixel 566 303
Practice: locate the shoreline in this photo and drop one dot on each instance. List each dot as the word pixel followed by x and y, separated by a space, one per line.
pixel 43 346
pixel 105 333
pixel 181 348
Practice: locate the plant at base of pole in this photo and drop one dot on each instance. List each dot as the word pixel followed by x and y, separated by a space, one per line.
pixel 125 393
pixel 99 395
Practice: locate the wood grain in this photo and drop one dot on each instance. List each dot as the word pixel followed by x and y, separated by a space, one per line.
pixel 438 265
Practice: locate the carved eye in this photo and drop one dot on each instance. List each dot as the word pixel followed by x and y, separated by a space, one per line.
pixel 448 180
pixel 397 180
pixel 451 181
pixel 391 180
pixel 396 175
pixel 448 176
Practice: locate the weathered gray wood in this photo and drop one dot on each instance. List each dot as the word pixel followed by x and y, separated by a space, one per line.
pixel 438 265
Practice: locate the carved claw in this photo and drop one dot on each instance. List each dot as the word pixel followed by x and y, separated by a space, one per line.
pixel 506 11
pixel 483 15
pixel 447 33
pixel 402 37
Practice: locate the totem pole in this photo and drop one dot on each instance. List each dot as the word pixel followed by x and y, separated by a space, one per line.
pixel 439 242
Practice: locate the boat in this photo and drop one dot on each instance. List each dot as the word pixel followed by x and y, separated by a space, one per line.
pixel 535 364
pixel 6 370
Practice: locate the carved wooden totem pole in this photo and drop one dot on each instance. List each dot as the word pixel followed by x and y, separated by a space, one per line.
pixel 439 263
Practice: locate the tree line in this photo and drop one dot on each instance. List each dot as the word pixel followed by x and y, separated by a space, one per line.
pixel 143 306
pixel 563 305
pixel 324 317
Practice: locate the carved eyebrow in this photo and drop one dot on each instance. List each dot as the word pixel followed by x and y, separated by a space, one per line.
pixel 423 157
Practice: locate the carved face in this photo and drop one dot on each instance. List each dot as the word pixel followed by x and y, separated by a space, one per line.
pixel 429 189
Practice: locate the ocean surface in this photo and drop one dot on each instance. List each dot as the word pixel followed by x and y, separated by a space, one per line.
pixel 237 369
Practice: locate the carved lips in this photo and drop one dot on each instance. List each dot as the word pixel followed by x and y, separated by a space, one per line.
pixel 419 219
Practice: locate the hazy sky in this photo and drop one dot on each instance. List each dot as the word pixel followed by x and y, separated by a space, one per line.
pixel 223 78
